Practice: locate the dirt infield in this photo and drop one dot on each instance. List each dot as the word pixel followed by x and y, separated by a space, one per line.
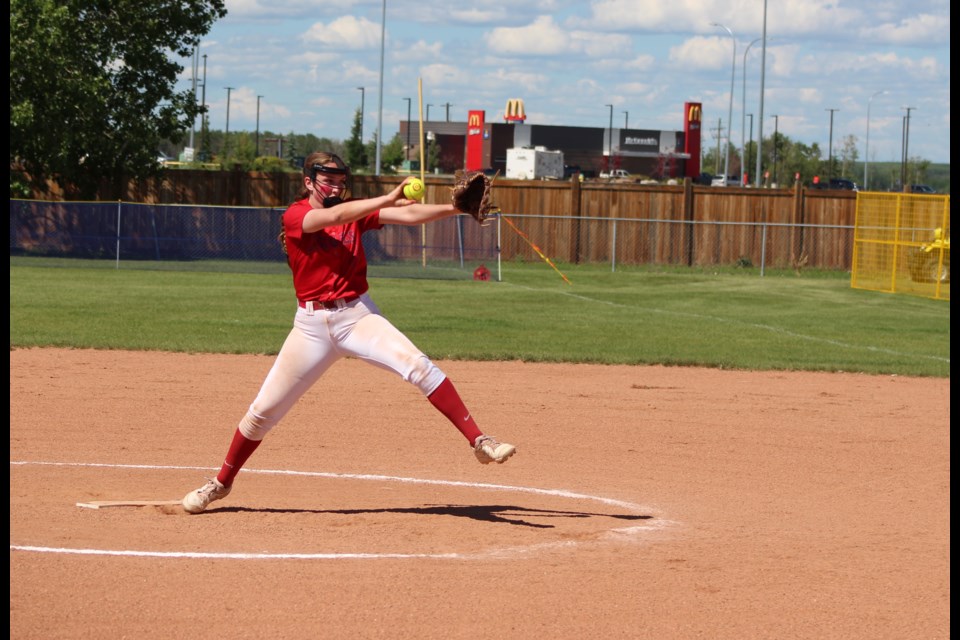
pixel 643 502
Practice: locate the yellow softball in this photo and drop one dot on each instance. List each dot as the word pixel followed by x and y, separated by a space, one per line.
pixel 414 190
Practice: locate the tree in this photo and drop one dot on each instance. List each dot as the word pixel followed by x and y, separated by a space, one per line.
pixel 433 154
pixel 918 168
pixel 356 153
pixel 392 153
pixel 848 155
pixel 243 151
pixel 92 86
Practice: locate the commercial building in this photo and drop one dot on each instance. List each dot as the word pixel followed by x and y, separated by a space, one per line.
pixel 479 144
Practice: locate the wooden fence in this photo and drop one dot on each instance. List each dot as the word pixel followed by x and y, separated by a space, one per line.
pixel 681 224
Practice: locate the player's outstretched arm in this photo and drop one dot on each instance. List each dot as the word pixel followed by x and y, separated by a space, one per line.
pixel 416 213
pixel 353 210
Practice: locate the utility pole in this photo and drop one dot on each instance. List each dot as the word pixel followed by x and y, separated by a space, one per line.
pixel 257 153
pixel 733 75
pixel 226 134
pixel 203 112
pixel 776 121
pixel 745 168
pixel 406 154
pixel 610 139
pixel 193 69
pixel 447 105
pixel 866 153
pixel 830 152
pixel 626 119
pixel 719 135
pixel 383 32
pixel 763 75
pixel 904 156
pixel 362 94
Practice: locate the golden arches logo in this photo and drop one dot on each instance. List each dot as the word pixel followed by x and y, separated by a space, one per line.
pixel 474 120
pixel 514 110
pixel 694 113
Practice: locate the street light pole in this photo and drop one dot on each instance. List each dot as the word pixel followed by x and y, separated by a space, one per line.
pixel 428 112
pixel 866 152
pixel 203 112
pixel 447 105
pixel 830 152
pixel 776 122
pixel 363 93
pixel 194 65
pixel 383 33
pixel 743 116
pixel 407 154
pixel 763 75
pixel 733 73
pixel 257 154
pixel 750 115
pixel 226 134
pixel 905 155
pixel 610 140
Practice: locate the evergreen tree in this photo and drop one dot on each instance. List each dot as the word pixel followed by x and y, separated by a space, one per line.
pixel 356 153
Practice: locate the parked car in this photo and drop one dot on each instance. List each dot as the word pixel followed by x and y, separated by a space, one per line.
pixel 731 181
pixel 922 188
pixel 844 184
pixel 841 184
pixel 616 174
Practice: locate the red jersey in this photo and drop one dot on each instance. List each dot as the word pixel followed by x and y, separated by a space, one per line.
pixel 330 263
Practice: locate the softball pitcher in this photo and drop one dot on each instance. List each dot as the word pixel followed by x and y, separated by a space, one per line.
pixel 335 318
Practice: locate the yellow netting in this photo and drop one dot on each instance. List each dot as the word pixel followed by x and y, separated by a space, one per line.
pixel 901 244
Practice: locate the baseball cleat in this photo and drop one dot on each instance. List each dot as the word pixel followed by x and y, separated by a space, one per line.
pixel 489 450
pixel 196 501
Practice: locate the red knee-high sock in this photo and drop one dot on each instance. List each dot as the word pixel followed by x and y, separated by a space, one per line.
pixel 240 449
pixel 447 401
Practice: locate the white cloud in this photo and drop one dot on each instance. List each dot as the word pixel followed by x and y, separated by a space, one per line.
pixel 543 37
pixel 923 29
pixel 347 32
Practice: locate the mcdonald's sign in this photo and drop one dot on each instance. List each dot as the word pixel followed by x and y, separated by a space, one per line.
pixel 475 136
pixel 514 111
pixel 693 114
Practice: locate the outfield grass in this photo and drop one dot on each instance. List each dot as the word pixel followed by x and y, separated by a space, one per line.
pixel 730 318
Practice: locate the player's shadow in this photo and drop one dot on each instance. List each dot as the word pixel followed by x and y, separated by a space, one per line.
pixel 505 514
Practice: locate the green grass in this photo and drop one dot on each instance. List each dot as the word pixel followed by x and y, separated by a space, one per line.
pixel 729 318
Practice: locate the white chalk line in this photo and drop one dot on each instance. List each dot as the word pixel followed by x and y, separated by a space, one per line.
pixel 753 325
pixel 620 533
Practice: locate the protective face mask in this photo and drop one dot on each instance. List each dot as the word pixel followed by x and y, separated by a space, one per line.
pixel 329 195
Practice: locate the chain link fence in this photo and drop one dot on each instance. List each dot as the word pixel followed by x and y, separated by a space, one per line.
pixel 245 239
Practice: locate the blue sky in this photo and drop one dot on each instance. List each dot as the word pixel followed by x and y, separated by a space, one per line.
pixel 568 60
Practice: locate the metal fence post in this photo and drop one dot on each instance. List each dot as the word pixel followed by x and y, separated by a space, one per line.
pixel 613 248
pixel 763 247
pixel 499 246
pixel 119 207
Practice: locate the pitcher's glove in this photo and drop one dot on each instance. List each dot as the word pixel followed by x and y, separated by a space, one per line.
pixel 472 194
